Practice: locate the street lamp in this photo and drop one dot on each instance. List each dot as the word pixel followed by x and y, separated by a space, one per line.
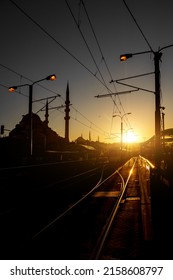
pixel 157 58
pixel 121 116
pixel 14 88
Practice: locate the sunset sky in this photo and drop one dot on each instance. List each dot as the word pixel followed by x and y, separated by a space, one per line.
pixel 81 42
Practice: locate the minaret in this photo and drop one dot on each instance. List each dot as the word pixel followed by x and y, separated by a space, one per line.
pixel 67 117
pixel 89 136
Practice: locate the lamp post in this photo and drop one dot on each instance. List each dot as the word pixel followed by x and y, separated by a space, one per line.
pixel 121 116
pixel 13 88
pixel 157 58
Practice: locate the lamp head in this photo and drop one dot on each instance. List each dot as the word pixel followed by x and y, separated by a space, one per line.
pixel 124 57
pixel 12 89
pixel 51 77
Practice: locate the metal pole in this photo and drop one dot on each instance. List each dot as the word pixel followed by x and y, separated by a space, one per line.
pixel 30 119
pixel 163 130
pixel 67 117
pixel 121 136
pixel 157 57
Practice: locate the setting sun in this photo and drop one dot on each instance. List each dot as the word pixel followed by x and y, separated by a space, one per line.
pixel 131 137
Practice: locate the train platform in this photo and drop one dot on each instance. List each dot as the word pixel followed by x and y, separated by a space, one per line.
pixel 143 229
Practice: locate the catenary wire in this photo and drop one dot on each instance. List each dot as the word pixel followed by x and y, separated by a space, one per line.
pixel 18 74
pixel 50 36
pixel 102 56
pixel 138 26
pixel 56 41
pixel 83 37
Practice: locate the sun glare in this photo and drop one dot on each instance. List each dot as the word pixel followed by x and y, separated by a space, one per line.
pixel 131 137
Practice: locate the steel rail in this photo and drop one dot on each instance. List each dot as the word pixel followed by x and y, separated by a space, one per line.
pixel 107 227
pixel 71 207
pixel 99 183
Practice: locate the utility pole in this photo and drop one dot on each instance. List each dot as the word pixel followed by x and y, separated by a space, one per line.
pixel 157 57
pixel 47 114
pixel 121 117
pixel 67 117
pixel 13 88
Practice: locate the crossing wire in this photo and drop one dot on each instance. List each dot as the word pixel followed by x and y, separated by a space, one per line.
pixel 57 42
pixel 98 130
pixel 102 56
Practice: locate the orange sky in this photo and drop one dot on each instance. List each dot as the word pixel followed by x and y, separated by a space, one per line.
pixel 29 54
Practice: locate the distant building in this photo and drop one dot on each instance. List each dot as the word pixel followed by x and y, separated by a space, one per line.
pixel 17 145
pixel 43 137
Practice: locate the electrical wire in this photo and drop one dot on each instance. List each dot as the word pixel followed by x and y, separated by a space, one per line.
pixel 99 47
pixel 102 57
pixel 83 37
pixel 19 92
pixel 138 26
pixel 103 132
pixel 11 70
pixel 16 90
pixel 65 49
pixel 56 41
pixel 109 72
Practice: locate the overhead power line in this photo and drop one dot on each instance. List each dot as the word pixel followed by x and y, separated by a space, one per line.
pixel 56 108
pixel 65 49
pixel 26 78
pixel 138 26
pixel 103 58
pixel 56 41
pixel 100 50
pixel 83 37
pixel 99 47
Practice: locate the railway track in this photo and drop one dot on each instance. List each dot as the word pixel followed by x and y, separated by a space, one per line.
pixel 85 229
pixel 84 215
pixel 31 196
